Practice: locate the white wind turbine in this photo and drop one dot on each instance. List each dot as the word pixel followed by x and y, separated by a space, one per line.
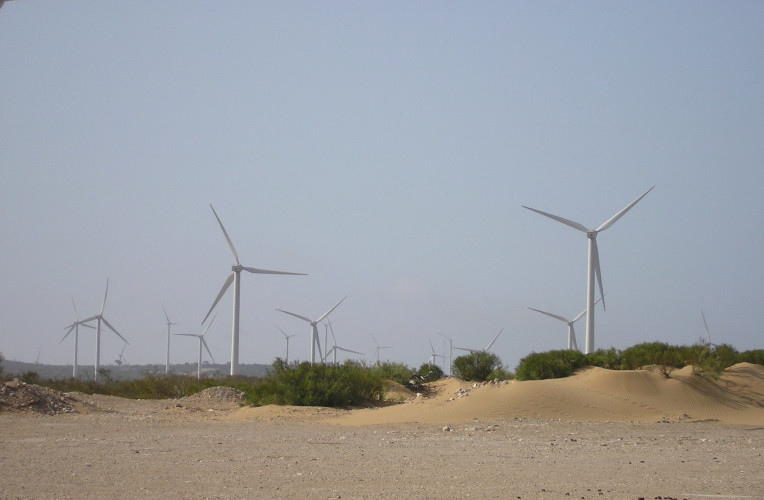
pixel 450 352
pixel 708 335
pixel 100 319
pixel 594 262
pixel 434 357
pixel 336 348
pixel 202 342
pixel 75 327
pixel 315 342
pixel 484 349
pixel 379 348
pixel 121 359
pixel 235 278
pixel 287 337
pixel 169 325
pixel 572 344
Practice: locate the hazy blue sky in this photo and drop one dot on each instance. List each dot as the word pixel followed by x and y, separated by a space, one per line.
pixel 386 149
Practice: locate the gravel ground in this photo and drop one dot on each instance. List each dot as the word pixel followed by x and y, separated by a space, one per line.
pixel 204 448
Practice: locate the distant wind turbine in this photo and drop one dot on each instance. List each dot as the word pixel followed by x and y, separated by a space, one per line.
pixel 169 325
pixel 572 344
pixel 481 350
pixel 336 348
pixel 235 278
pixel 594 262
pixel 121 359
pixel 379 348
pixel 75 327
pixel 708 335
pixel 202 342
pixel 450 351
pixel 315 342
pixel 434 358
pixel 100 319
pixel 287 337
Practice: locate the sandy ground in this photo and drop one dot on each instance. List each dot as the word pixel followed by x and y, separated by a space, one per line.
pixel 598 434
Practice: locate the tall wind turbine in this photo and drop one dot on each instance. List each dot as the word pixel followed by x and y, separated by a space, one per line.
pixel 100 319
pixel 287 337
pixel 572 344
pixel 169 325
pixel 202 342
pixel 379 348
pixel 594 262
pixel 235 278
pixel 75 327
pixel 450 352
pixel 315 342
pixel 336 348
pixel 484 349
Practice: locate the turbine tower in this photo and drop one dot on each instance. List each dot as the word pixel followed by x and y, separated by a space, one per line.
pixel 75 327
pixel 235 278
pixel 572 344
pixel 450 352
pixel 314 340
pixel 202 342
pixel 100 319
pixel 169 324
pixel 434 358
pixel 594 262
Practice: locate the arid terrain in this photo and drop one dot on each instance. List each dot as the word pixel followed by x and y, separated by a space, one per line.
pixel 598 434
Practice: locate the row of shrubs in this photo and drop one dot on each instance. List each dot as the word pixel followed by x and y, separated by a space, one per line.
pixel 710 360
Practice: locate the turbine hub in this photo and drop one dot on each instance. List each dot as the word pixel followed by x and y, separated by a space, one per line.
pixel 237 268
pixel 592 235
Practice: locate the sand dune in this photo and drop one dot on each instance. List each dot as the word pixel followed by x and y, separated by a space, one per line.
pixel 591 395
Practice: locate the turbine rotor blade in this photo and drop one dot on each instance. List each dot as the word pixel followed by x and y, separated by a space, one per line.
pixel 255 270
pixel 708 335
pixel 620 214
pixel 204 343
pixel 76 314
pixel 166 316
pixel 347 350
pixel 555 316
pixel 187 335
pixel 296 315
pixel 596 257
pixel 573 333
pixel 114 330
pixel 103 304
pixel 581 315
pixel 330 310
pixel 567 222
pixel 227 238
pixel 494 340
pixel 209 324
pixel 217 299
pixel 71 328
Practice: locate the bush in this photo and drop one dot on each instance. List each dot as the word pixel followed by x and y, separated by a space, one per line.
pixel 550 364
pixel 305 384
pixel 397 372
pixel 756 357
pixel 476 366
pixel 429 372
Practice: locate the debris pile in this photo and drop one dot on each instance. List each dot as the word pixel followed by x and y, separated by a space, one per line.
pixel 22 397
pixel 218 394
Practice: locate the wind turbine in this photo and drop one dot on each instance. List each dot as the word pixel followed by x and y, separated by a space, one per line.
pixel 100 319
pixel 75 327
pixel 572 344
pixel 287 337
pixel 202 342
pixel 314 340
pixel 481 350
pixel 708 335
pixel 435 356
pixel 594 262
pixel 235 278
pixel 336 348
pixel 379 348
pixel 121 359
pixel 169 325
pixel 450 352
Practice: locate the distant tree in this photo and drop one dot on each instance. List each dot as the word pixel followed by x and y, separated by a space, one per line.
pixel 476 366
pixel 429 372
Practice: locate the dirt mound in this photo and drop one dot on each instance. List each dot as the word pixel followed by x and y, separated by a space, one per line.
pixel 22 397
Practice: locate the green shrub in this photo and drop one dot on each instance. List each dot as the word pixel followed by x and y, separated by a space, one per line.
pixel 550 364
pixel 429 372
pixel 305 384
pixel 397 372
pixel 756 357
pixel 476 366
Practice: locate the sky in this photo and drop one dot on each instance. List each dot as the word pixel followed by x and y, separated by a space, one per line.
pixel 385 149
